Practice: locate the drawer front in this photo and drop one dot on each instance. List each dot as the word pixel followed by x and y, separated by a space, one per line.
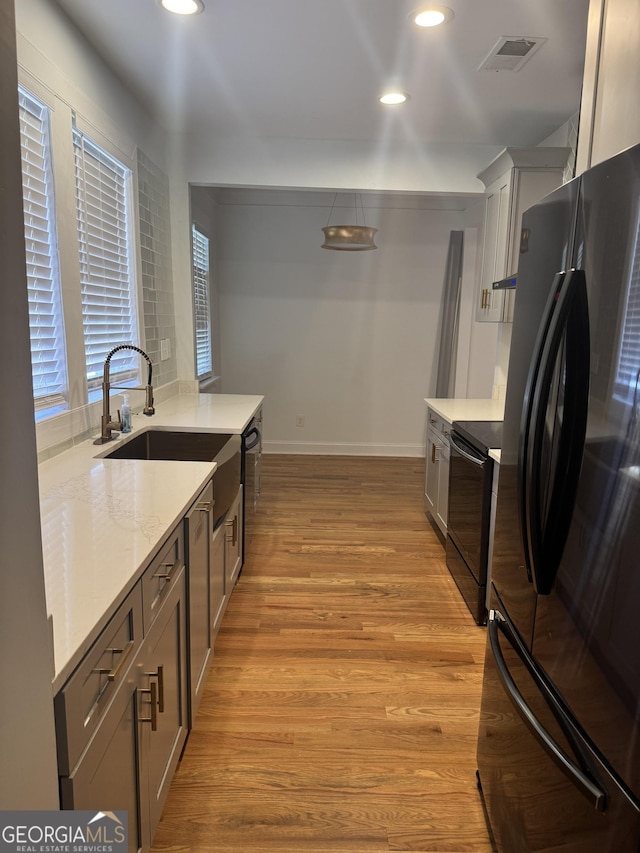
pixel 84 699
pixel 157 579
pixel 441 427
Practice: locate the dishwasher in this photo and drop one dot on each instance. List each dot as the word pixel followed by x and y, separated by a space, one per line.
pixel 251 463
pixel 470 480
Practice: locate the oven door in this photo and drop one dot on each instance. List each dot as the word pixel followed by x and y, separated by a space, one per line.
pixel 469 504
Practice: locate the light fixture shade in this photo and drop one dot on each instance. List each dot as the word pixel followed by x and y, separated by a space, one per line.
pixel 349 238
pixel 183 7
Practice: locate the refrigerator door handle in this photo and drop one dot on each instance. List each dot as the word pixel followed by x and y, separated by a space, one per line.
pixel 526 423
pixel 546 537
pixel 592 789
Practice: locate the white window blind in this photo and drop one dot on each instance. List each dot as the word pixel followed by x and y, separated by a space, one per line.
pixel 106 278
pixel 48 358
pixel 202 310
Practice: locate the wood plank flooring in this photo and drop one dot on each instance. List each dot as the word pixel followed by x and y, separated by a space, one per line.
pixel 341 710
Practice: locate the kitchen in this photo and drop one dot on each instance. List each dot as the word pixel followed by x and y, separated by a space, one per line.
pixel 613 134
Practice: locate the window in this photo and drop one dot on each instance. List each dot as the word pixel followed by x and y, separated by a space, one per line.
pixel 103 187
pixel 201 304
pixel 48 358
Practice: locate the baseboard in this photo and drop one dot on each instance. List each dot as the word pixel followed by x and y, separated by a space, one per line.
pixel 346 449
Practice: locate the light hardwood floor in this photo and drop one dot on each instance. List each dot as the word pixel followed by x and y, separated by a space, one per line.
pixel 341 710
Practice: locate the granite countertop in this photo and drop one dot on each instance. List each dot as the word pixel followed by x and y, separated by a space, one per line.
pixel 103 520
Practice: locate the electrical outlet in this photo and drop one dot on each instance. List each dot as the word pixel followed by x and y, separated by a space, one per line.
pixel 165 349
pixel 299 420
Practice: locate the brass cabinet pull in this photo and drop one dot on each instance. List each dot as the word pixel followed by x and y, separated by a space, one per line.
pixel 165 576
pixel 152 690
pixel 125 652
pixel 232 526
pixel 204 506
pixel 159 674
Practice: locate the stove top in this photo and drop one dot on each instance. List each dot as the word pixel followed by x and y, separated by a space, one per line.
pixel 483 435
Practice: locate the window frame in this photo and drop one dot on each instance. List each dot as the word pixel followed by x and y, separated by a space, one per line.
pixel 55 396
pixel 204 285
pixel 125 366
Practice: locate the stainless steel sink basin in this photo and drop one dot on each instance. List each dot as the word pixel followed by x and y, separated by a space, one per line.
pixel 223 448
pixel 182 446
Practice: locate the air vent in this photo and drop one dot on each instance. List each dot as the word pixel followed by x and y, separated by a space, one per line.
pixel 510 53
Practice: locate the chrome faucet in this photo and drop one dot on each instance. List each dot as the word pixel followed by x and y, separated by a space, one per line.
pixel 107 426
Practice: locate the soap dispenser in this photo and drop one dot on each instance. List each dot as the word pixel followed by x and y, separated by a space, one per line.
pixel 125 414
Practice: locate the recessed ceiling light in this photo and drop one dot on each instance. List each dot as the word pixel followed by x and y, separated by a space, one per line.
pixel 394 98
pixel 183 7
pixel 431 16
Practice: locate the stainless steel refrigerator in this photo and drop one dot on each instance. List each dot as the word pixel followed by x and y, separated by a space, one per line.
pixel 559 736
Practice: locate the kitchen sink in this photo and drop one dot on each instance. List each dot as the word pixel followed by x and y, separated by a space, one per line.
pixel 223 448
pixel 181 446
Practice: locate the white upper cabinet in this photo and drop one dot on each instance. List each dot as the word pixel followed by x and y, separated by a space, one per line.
pixel 609 115
pixel 516 179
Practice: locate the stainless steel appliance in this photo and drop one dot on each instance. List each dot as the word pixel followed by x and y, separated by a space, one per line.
pixel 251 461
pixel 470 476
pixel 559 739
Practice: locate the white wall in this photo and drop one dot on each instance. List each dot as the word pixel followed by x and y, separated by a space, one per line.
pixel 347 340
pixel 28 771
pixel 336 164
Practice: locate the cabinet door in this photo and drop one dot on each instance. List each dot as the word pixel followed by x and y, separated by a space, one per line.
pixel 490 303
pixel 432 468
pixel 198 522
pixel 442 508
pixel 233 543
pixel 162 690
pixel 106 777
pixel 218 589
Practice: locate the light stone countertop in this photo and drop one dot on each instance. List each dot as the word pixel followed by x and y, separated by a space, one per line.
pixel 458 409
pixel 103 520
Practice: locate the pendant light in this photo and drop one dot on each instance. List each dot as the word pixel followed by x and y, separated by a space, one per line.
pixel 349 238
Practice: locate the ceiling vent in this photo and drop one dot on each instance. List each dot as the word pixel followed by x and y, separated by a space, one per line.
pixel 510 53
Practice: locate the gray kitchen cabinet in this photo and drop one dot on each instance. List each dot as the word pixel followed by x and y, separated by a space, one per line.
pixel 121 718
pixel 233 543
pixel 217 574
pixel 162 678
pixel 106 774
pixel 198 529
pixel 436 488
pixel 516 179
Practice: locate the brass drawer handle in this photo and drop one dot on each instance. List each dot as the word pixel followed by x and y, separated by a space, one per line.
pixel 165 576
pixel 152 690
pixel 113 674
pixel 233 526
pixel 159 674
pixel 204 506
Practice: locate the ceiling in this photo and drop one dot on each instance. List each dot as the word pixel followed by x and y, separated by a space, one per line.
pixel 301 70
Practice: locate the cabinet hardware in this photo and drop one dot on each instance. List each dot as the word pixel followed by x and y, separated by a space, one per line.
pixel 204 506
pixel 152 690
pixel 165 576
pixel 435 453
pixel 125 652
pixel 232 530
pixel 159 674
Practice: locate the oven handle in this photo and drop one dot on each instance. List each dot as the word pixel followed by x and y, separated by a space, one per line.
pixel 477 460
